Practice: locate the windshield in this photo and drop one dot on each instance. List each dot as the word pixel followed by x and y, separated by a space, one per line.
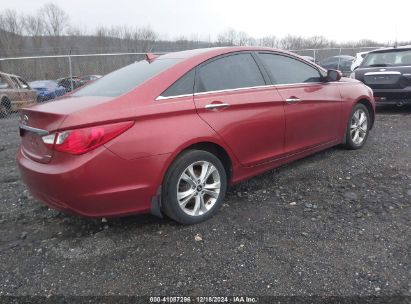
pixel 388 58
pixel 125 79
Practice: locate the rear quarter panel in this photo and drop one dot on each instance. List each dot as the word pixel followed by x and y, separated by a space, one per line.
pixel 165 127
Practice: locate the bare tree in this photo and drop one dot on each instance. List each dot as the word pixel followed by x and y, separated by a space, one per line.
pixel 56 20
pixel 11 25
pixel 269 41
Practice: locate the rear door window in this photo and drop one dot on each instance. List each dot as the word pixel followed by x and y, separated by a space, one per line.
pixel 287 70
pixel 183 86
pixel 229 72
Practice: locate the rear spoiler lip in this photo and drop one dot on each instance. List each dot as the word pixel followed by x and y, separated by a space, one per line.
pixel 40 132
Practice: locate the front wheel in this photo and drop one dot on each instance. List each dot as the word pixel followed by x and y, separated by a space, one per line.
pixel 358 127
pixel 194 187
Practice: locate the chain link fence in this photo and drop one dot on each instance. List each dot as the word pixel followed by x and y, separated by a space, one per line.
pixel 29 80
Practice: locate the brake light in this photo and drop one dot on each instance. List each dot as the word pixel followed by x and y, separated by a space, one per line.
pixel 80 141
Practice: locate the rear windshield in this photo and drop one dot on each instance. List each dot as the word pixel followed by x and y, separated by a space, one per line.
pixel 388 58
pixel 125 79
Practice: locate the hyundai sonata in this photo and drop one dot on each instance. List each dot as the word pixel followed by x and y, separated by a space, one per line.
pixel 167 134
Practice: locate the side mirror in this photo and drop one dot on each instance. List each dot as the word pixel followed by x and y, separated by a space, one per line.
pixel 333 75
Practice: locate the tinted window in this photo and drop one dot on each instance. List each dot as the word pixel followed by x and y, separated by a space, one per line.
pixel 183 86
pixel 125 79
pixel 388 58
pixel 230 72
pixel 286 70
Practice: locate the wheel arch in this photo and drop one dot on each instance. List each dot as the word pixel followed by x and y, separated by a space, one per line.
pixel 210 145
pixel 367 103
pixel 207 144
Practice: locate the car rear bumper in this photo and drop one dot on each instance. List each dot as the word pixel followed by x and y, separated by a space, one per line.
pixel 392 96
pixel 95 184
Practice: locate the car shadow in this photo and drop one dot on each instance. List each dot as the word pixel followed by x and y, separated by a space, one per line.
pixel 75 225
pixel 393 109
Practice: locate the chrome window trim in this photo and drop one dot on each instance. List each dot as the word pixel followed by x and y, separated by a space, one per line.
pixel 172 97
pixel 384 67
pixel 40 132
pixel 245 88
pixel 382 73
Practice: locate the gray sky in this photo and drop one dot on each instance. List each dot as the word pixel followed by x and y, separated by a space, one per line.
pixel 339 20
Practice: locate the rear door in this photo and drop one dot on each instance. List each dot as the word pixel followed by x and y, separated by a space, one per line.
pixel 232 96
pixel 312 107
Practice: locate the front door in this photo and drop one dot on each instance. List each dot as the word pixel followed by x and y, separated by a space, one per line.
pixel 312 106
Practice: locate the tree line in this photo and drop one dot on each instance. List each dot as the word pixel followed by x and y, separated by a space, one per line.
pixel 50 32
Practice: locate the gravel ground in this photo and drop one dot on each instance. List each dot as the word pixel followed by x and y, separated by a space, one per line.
pixel 333 224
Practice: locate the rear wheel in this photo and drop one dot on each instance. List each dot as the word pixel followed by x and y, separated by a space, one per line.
pixel 194 187
pixel 358 127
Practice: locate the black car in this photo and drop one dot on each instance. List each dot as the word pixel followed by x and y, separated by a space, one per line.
pixel 70 83
pixel 341 62
pixel 388 73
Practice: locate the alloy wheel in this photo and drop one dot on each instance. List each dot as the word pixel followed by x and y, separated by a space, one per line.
pixel 198 188
pixel 358 126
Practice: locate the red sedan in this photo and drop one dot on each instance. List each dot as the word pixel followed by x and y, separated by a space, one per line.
pixel 167 135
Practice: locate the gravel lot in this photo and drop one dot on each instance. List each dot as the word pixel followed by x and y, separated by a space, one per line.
pixel 333 224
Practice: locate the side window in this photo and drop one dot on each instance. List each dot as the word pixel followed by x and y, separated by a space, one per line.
pixel 183 86
pixel 229 72
pixel 3 83
pixel 16 82
pixel 23 83
pixel 286 70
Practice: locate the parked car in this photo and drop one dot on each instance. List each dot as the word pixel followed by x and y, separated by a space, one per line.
pixel 88 78
pixel 309 58
pixel 341 62
pixel 47 89
pixel 359 57
pixel 70 83
pixel 388 72
pixel 15 93
pixel 169 134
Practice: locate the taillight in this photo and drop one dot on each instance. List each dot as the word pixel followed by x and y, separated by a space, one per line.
pixel 80 141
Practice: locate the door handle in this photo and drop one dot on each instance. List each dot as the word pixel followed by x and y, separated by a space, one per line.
pixel 293 100
pixel 213 106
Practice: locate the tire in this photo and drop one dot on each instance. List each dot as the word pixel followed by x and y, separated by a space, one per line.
pixel 5 108
pixel 189 197
pixel 357 128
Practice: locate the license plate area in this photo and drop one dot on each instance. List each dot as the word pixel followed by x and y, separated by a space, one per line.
pixel 34 148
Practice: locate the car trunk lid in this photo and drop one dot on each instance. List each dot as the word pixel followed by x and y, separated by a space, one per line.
pixel 385 78
pixel 41 120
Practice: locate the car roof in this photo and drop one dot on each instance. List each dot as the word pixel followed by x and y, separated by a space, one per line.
pixel 401 48
pixel 10 75
pixel 216 51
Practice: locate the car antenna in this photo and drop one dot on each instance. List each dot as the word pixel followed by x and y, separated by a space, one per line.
pixel 150 57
